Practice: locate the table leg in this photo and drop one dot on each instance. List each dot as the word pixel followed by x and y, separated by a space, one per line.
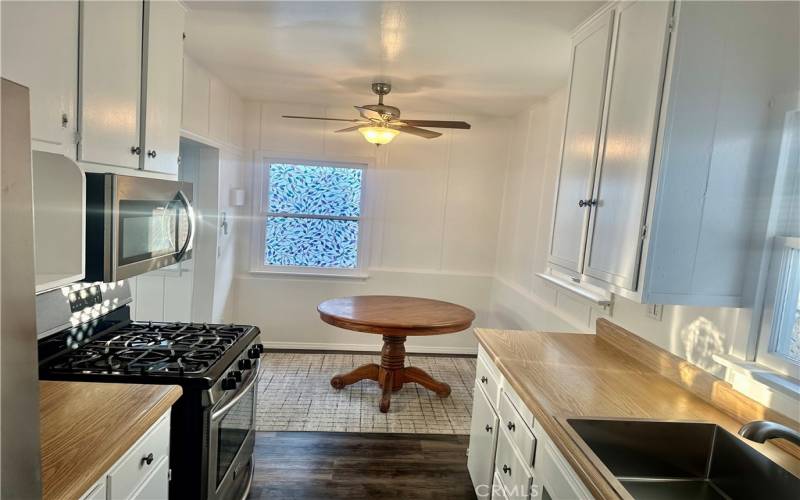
pixel 366 372
pixel 392 373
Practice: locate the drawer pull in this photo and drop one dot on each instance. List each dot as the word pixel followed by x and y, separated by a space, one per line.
pixel 511 426
pixel 488 428
pixel 506 469
pixel 484 380
pixel 148 459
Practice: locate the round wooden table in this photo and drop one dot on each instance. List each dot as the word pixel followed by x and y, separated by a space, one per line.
pixel 395 318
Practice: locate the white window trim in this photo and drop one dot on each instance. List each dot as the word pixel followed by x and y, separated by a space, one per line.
pixel 258 227
pixel 772 318
pixel 760 359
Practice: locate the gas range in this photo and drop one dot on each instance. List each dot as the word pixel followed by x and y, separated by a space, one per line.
pixel 86 334
pixel 187 354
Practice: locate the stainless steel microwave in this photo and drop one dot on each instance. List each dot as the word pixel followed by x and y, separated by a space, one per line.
pixel 135 225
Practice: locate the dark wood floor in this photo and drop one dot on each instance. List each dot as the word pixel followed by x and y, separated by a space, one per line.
pixel 333 465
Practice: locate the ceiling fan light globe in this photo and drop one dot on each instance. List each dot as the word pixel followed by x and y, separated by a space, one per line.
pixel 378 135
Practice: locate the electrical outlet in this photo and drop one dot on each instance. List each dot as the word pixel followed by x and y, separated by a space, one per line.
pixel 655 311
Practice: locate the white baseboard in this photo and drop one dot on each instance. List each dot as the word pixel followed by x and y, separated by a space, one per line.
pixel 411 349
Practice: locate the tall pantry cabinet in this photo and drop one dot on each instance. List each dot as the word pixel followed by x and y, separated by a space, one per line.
pixel 662 149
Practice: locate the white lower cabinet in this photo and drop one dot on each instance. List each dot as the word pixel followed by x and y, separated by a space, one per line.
pixel 482 441
pixel 143 471
pixel 510 455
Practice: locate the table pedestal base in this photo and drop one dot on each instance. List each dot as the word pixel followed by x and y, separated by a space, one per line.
pixel 392 373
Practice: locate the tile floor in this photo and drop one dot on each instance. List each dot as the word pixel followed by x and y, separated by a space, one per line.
pixel 295 394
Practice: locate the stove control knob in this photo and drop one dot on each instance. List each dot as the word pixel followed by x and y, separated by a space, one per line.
pixel 235 375
pixel 245 364
pixel 228 384
pixel 253 353
pixel 259 347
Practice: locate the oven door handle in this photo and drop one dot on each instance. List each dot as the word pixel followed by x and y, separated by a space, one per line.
pixel 244 390
pixel 190 217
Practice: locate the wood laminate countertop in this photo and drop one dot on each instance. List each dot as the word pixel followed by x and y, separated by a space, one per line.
pixel 87 427
pixel 561 376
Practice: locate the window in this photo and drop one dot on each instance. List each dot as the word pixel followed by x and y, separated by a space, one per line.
pixel 779 338
pixel 310 217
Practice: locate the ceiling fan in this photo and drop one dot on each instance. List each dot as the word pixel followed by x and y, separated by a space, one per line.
pixel 380 123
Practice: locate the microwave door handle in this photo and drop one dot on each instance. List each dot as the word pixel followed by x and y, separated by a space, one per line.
pixel 190 233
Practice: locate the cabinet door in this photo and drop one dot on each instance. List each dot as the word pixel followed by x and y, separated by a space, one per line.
pixel 110 69
pixel 40 51
pixel 623 176
pixel 482 441
pixel 219 107
pixel 581 139
pixel 155 487
pixel 196 96
pixel 164 22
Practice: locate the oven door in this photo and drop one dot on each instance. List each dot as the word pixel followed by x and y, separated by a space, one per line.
pixel 232 440
pixel 153 225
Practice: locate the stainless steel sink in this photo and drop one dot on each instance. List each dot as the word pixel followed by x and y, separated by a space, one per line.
pixel 656 460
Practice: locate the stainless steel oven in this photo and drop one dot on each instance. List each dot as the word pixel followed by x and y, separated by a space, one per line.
pixel 135 225
pixel 231 428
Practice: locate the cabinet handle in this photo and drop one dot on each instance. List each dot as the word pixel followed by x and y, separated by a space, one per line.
pixel 511 426
pixel 64 120
pixel 151 153
pixel 148 459
pixel 488 428
pixel 136 150
pixel 484 380
pixel 506 469
pixel 587 203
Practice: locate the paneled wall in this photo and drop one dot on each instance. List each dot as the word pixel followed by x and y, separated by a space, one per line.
pixel 433 208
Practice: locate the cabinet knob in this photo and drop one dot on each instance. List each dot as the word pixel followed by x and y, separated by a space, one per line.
pixel 506 469
pixel 148 459
pixel 136 150
pixel 484 380
pixel 64 120
pixel 488 428
pixel 511 426
pixel 151 153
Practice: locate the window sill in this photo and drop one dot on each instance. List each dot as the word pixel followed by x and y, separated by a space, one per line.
pixel 313 273
pixel 761 374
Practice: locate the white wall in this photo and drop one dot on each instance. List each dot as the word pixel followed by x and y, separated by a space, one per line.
pixel 433 208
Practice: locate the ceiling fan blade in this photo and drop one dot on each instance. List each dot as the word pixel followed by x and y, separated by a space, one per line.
pixel 419 132
pixel 350 129
pixel 438 124
pixel 369 114
pixel 321 118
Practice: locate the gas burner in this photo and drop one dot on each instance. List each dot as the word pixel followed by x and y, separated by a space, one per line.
pixel 154 349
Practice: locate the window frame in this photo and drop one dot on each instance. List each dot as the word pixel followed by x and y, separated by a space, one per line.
pixel 778 287
pixel 260 213
pixel 781 240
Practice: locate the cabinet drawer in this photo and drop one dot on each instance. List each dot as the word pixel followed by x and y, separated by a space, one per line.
pixel 156 485
pixel 514 474
pixel 133 469
pixel 487 376
pixel 521 436
pixel 522 408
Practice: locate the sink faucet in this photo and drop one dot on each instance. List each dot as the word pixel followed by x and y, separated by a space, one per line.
pixel 761 430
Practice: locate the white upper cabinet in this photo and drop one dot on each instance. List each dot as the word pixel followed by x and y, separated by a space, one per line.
pixel 164 86
pixel 196 97
pixel 623 174
pixel 581 138
pixel 110 83
pixel 211 109
pixel 40 51
pixel 219 105
pixel 684 137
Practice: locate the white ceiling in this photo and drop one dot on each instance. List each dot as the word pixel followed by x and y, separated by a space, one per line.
pixel 461 57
